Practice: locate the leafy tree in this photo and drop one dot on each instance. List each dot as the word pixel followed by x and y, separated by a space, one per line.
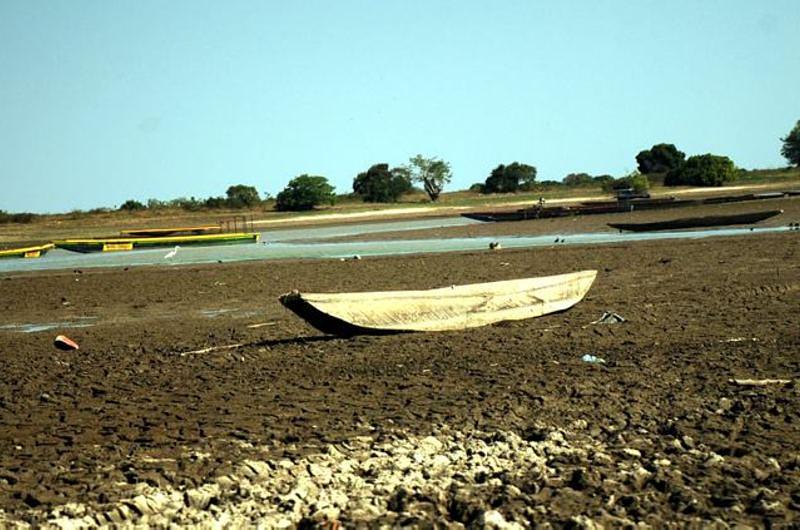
pixel 578 179
pixel 791 145
pixel 659 159
pixel 381 184
pixel 131 206
pixel 241 196
pixel 510 178
pixel 304 193
pixel 433 173
pixel 478 187
pixel 702 170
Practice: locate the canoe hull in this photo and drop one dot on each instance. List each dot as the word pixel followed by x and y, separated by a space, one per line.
pixel 698 222
pixel 444 309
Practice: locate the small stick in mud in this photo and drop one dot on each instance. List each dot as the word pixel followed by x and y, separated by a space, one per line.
pixel 214 348
pixel 759 382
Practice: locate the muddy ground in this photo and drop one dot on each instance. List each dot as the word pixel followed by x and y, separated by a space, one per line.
pixel 657 434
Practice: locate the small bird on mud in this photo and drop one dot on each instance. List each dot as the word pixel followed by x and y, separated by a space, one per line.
pixel 172 253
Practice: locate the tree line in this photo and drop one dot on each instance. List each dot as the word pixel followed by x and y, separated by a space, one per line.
pixel 663 162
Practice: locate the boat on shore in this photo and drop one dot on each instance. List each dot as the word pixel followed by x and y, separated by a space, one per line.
pixel 116 244
pixel 698 222
pixel 34 251
pixel 615 206
pixel 164 232
pixel 443 309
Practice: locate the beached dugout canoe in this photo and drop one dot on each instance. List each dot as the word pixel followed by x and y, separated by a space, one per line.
pixel 163 232
pixel 35 251
pixel 698 222
pixel 448 308
pixel 129 243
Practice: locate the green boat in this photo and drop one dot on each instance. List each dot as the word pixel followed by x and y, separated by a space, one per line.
pixel 117 244
pixel 36 251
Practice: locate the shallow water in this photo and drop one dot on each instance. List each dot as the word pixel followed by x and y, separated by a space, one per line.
pixel 271 246
pixel 30 327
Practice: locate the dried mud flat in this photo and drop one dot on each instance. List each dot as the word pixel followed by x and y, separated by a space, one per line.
pixel 497 427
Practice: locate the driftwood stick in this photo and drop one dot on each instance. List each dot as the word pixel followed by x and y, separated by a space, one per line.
pixel 215 348
pixel 759 382
pixel 261 325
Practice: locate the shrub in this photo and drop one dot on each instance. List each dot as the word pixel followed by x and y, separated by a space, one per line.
pixel 634 181
pixel 510 178
pixel 381 184
pixel 132 206
pixel 304 193
pixel 702 170
pixel 660 158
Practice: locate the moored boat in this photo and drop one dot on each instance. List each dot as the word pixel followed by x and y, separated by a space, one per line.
pixel 698 222
pixel 164 232
pixel 126 243
pixel 35 251
pixel 448 308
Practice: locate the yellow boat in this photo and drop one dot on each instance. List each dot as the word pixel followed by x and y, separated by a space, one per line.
pixel 114 244
pixel 35 251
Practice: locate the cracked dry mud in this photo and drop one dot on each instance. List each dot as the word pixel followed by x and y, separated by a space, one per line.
pixel 497 427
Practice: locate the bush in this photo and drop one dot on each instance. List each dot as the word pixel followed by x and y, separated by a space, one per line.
pixel 634 181
pixel 702 170
pixel 478 187
pixel 22 217
pixel 304 193
pixel 381 184
pixel 791 146
pixel 241 196
pixel 132 206
pixel 510 178
pixel 660 158
pixel 578 179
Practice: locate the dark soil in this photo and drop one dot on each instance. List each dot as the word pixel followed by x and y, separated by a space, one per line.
pixel 79 426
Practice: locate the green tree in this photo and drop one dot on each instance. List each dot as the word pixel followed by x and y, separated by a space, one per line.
pixel 659 159
pixel 241 196
pixel 578 179
pixel 381 184
pixel 791 145
pixel 433 173
pixel 702 170
pixel 304 193
pixel 131 206
pixel 510 178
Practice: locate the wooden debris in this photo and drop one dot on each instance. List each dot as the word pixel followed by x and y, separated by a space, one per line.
pixel 759 382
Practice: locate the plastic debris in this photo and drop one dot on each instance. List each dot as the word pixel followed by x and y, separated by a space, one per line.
pixel 594 359
pixel 610 318
pixel 62 342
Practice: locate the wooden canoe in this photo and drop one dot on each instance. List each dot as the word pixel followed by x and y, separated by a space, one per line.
pixel 443 309
pixel 35 251
pixel 698 222
pixel 161 232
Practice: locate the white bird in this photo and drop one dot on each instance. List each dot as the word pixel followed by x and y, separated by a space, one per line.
pixel 172 253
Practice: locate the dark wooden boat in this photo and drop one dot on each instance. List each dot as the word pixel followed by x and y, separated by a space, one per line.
pixel 698 222
pixel 165 232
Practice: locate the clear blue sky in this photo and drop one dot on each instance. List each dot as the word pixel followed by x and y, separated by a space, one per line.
pixel 104 101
